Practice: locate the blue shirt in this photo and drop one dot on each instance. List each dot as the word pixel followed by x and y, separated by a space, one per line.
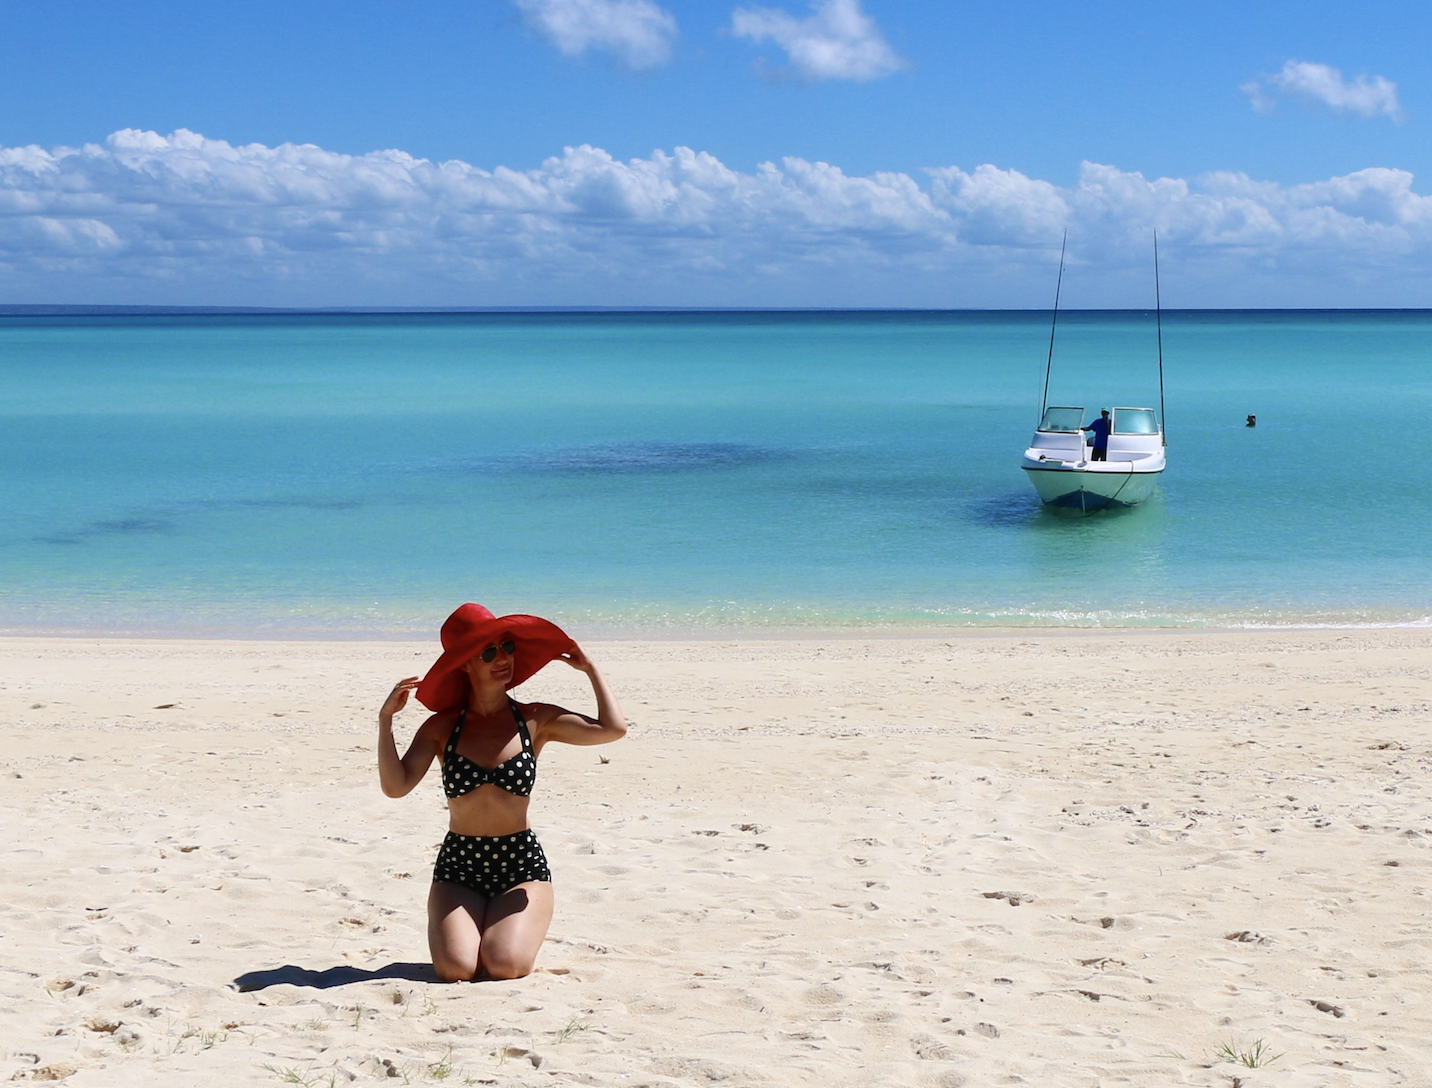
pixel 1100 427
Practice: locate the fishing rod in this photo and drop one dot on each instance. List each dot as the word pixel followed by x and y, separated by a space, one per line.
pixel 1044 401
pixel 1158 324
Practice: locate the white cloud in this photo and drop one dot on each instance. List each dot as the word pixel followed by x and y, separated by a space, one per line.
pixel 637 31
pixel 837 41
pixel 144 218
pixel 1366 96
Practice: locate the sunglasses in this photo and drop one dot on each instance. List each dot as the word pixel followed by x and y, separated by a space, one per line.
pixel 489 655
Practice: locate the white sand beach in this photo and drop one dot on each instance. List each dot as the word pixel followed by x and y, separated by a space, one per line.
pixel 1039 858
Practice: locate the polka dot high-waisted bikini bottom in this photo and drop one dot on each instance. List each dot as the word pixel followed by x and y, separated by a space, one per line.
pixel 491 865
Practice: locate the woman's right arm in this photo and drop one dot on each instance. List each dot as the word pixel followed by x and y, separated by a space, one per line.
pixel 399 776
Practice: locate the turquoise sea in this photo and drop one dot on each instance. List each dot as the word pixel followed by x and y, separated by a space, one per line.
pixel 679 473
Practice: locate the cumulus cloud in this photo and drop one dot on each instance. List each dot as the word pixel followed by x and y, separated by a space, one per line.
pixel 1320 84
pixel 637 31
pixel 181 218
pixel 836 41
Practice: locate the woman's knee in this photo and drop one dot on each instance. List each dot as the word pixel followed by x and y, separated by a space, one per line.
pixel 453 969
pixel 448 972
pixel 503 964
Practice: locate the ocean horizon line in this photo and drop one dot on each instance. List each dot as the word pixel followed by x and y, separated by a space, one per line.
pixel 127 310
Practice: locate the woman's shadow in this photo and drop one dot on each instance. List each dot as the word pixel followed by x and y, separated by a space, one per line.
pixel 291 975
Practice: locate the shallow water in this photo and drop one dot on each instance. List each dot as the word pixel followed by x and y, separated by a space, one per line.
pixel 362 474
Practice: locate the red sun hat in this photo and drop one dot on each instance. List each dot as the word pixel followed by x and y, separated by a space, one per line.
pixel 469 631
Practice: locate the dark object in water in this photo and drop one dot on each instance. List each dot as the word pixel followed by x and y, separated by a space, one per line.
pixel 1252 421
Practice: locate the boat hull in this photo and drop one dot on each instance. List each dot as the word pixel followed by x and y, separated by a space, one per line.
pixel 1090 489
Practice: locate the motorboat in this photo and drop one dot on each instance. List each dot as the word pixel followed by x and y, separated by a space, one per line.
pixel 1061 466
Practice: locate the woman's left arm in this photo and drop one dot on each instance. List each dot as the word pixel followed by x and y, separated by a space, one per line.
pixel 569 727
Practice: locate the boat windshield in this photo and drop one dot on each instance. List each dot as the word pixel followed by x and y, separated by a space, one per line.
pixel 1062 420
pixel 1135 421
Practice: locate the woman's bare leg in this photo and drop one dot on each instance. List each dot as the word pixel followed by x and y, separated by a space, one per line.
pixel 454 933
pixel 513 929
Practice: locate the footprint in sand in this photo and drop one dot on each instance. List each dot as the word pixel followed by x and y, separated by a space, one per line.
pixel 1247 936
pixel 824 994
pixel 1102 962
pixel 53 1071
pixel 930 1049
pixel 947 1078
pixel 520 1052
pixel 1013 898
pixel 1105 922
pixel 698 1070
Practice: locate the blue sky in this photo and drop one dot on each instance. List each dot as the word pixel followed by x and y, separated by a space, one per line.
pixel 1279 95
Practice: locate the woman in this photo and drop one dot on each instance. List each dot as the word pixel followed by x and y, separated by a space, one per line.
pixel 491 899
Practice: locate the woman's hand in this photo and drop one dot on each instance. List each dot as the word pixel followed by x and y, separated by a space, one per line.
pixel 557 724
pixel 398 776
pixel 578 660
pixel 398 697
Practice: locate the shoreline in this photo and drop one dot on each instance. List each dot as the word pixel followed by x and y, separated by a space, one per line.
pixel 726 633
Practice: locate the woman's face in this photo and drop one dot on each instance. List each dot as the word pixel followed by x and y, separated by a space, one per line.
pixel 498 671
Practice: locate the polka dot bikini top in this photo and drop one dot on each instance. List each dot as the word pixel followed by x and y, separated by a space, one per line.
pixel 516 775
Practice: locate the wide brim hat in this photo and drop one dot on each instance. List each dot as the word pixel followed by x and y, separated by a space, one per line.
pixel 473 628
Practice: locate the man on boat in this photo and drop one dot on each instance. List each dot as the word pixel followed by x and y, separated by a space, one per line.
pixel 1100 427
